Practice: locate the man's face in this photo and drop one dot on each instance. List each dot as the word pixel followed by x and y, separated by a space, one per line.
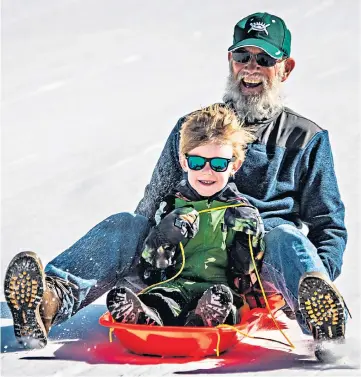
pixel 253 77
pixel 255 90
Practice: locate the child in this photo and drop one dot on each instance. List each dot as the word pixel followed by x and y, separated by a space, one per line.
pixel 217 255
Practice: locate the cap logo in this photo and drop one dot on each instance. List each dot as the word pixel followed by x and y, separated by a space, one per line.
pixel 259 26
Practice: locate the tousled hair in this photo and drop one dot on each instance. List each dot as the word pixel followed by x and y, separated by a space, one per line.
pixel 216 124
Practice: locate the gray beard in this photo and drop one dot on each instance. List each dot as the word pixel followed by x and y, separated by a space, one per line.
pixel 254 107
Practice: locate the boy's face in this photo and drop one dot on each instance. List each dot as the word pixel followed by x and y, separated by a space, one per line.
pixel 206 181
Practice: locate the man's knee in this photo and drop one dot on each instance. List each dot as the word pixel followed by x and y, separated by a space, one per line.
pixel 287 239
pixel 126 218
pixel 125 222
pixel 284 232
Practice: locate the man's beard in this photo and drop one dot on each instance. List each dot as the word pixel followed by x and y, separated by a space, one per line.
pixel 255 106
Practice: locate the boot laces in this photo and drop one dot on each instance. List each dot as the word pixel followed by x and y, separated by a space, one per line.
pixel 60 286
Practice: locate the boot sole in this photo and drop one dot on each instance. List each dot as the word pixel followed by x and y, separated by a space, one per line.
pixel 24 287
pixel 212 314
pixel 322 306
pixel 124 305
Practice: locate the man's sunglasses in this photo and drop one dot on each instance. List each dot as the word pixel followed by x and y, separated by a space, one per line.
pixel 218 164
pixel 262 59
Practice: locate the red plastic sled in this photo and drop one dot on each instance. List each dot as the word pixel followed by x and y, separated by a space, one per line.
pixel 174 341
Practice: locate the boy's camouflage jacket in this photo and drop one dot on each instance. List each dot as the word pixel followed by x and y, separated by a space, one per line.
pixel 219 251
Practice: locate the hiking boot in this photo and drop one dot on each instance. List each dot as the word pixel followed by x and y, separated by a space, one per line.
pixel 323 308
pixel 125 307
pixel 33 298
pixel 55 290
pixel 213 307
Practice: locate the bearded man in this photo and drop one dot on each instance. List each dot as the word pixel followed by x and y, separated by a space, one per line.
pixel 288 175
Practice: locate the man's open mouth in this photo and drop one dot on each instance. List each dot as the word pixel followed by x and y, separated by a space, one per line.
pixel 251 83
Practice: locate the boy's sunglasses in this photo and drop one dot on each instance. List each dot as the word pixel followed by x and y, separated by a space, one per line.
pixel 262 59
pixel 218 164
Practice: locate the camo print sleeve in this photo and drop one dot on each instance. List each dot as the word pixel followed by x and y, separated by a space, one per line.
pixel 246 219
pixel 157 253
pixel 156 243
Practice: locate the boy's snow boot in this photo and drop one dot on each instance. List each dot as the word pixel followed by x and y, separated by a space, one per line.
pixel 125 306
pixel 32 298
pixel 324 310
pixel 213 307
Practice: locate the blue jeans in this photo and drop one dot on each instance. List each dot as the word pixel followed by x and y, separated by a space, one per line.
pixel 109 252
pixel 289 254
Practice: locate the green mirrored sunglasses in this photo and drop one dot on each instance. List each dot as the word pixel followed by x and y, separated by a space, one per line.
pixel 218 164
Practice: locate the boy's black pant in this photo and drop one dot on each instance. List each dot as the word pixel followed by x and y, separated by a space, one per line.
pixel 175 299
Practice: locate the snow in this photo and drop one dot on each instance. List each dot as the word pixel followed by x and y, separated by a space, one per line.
pixel 90 91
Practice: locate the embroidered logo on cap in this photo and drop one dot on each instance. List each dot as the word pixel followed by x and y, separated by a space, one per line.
pixel 259 26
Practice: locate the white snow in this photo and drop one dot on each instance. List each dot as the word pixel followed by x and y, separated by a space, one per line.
pixel 90 92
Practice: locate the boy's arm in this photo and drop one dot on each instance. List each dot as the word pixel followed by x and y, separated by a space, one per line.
pixel 166 175
pixel 247 223
pixel 160 246
pixel 177 226
pixel 148 273
pixel 245 218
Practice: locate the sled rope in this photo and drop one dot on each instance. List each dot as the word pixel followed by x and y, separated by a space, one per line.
pixel 264 294
pixel 182 250
pixel 290 344
pixel 111 329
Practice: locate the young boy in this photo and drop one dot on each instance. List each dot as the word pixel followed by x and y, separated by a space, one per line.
pixel 215 243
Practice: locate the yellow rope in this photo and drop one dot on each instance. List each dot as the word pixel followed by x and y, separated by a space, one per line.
pixel 267 305
pixel 183 262
pixel 223 325
pixel 173 277
pixel 222 207
pixel 111 329
pixel 264 294
pixel 234 328
pixel 182 250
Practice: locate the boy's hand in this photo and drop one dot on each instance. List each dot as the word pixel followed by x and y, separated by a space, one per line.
pixel 179 225
pixel 244 219
pixel 161 257
pixel 160 245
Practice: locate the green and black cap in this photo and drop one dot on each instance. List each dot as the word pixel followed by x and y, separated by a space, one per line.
pixel 265 31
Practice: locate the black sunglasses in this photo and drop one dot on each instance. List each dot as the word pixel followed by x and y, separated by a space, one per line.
pixel 218 164
pixel 243 56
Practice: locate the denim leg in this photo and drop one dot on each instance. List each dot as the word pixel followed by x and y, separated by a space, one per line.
pixel 289 254
pixel 106 254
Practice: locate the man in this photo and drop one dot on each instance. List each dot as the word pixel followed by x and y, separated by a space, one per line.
pixel 288 175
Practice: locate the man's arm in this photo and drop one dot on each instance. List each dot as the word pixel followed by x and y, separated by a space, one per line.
pixel 166 174
pixel 321 207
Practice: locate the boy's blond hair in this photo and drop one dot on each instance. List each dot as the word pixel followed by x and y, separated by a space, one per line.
pixel 215 124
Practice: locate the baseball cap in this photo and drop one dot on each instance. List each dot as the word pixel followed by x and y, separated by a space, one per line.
pixel 265 31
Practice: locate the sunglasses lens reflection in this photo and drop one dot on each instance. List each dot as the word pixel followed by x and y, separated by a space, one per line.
pixel 218 164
